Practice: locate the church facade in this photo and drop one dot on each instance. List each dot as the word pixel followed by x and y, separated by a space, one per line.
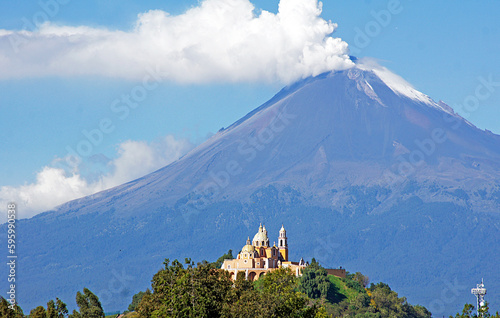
pixel 258 257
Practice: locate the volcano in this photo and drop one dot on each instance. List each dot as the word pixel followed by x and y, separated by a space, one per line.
pixel 364 171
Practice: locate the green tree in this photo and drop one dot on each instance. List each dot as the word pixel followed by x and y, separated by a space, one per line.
pixel 89 305
pixel 205 291
pixel 136 299
pixel 56 309
pixel 51 309
pixel 273 295
pixel 314 282
pixel 280 296
pixel 243 299
pixel 38 312
pixel 6 310
pixel 146 306
pixel 379 301
pixel 468 312
pixel 61 308
pixel 187 292
pixel 218 263
pixel 388 304
pixel 361 279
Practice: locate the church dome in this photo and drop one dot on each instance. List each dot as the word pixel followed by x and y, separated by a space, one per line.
pixel 248 249
pixel 261 235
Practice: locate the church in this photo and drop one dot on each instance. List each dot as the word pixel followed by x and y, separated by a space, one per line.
pixel 257 257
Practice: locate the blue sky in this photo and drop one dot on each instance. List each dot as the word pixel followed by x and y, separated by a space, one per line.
pixel 61 82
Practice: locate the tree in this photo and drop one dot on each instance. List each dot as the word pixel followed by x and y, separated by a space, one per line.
pixel 378 301
pixel 146 306
pixel 314 281
pixel 38 312
pixel 388 304
pixel 89 305
pixel 468 312
pixel 242 299
pixel 7 311
pixel 205 291
pixel 273 295
pixel 136 299
pixel 279 296
pixel 199 291
pixel 56 309
pixel 361 279
pixel 51 309
pixel 218 263
pixel 61 308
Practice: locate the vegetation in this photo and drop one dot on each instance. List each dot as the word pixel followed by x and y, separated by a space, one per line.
pixel 89 305
pixel 204 290
pixel 218 263
pixel 7 312
pixel 348 297
pixel 55 309
pixel 315 283
pixel 136 299
pixel 468 312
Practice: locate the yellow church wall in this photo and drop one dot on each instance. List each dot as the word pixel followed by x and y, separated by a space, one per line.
pixel 284 254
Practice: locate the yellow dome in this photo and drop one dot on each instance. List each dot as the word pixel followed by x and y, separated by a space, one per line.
pixel 248 248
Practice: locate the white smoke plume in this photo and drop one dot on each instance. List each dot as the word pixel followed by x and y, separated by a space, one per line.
pixel 219 40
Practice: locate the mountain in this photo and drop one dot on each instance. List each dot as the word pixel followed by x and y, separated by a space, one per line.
pixel 364 171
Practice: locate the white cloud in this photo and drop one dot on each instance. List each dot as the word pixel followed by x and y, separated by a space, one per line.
pixel 55 186
pixel 219 40
pixel 139 158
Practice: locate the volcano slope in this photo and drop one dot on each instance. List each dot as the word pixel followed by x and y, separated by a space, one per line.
pixel 364 172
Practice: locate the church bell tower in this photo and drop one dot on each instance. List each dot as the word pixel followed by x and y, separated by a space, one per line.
pixel 283 244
